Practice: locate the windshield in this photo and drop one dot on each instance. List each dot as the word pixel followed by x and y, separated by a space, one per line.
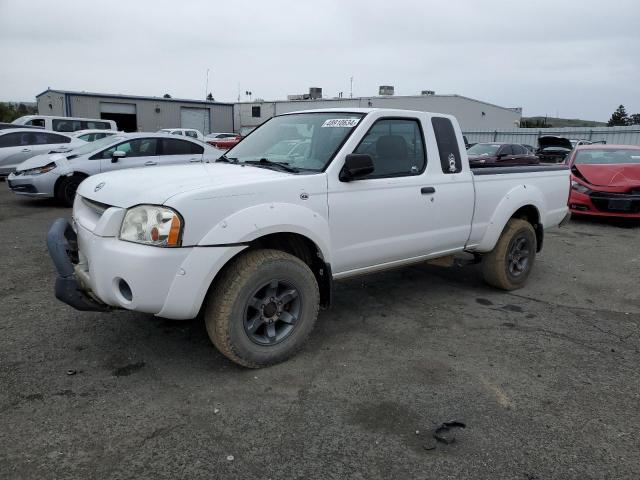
pixel 607 156
pixel 484 149
pixel 98 144
pixel 305 141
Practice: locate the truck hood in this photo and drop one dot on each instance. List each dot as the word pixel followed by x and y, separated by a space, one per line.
pixel 615 175
pixel 155 185
pixel 552 141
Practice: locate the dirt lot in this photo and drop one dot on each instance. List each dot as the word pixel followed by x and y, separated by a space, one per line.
pixel 547 379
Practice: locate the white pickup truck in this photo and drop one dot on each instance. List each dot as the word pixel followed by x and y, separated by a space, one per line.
pixel 255 240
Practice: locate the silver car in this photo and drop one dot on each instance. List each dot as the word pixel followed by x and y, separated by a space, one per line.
pixel 20 144
pixel 59 175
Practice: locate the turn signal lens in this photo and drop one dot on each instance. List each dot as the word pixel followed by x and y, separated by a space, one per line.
pixel 152 225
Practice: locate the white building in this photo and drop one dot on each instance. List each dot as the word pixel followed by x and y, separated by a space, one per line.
pixel 139 113
pixel 472 114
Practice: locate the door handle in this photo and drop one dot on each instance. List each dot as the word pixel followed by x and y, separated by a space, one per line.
pixel 150 163
pixel 26 149
pixel 427 190
pixel 195 160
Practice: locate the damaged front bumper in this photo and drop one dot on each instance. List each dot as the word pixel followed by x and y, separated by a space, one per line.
pixel 62 243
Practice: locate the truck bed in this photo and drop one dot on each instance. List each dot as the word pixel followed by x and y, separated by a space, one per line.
pixel 496 187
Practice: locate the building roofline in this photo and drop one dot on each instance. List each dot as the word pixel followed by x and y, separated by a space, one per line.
pixel 133 97
pixel 377 97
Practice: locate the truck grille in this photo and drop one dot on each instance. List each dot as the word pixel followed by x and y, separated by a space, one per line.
pixel 96 207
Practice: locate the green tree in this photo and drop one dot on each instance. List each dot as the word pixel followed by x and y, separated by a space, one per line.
pixel 634 119
pixel 210 97
pixel 619 118
pixel 10 111
pixel 166 95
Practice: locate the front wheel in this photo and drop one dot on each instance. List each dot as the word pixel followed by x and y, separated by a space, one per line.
pixel 262 308
pixel 509 264
pixel 66 190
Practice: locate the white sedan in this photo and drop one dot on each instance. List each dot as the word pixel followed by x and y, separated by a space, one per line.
pixel 19 144
pixel 59 175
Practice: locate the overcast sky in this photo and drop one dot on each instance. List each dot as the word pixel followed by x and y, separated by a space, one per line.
pixel 571 58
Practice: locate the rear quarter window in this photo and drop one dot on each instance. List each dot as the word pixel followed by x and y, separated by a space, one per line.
pixel 447 141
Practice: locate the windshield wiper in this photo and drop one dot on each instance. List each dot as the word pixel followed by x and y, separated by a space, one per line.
pixel 224 158
pixel 270 163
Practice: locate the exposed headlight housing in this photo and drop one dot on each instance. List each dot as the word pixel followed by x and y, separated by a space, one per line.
pixel 578 187
pixel 152 225
pixel 38 170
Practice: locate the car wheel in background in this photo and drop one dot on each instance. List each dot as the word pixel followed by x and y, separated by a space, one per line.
pixel 66 189
pixel 509 264
pixel 262 308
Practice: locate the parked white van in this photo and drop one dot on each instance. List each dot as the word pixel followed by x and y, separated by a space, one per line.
pixel 66 124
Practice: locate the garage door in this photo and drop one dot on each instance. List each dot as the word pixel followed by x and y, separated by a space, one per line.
pixel 197 118
pixel 126 108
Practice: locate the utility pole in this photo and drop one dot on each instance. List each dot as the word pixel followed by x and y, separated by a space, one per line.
pixel 351 89
pixel 204 118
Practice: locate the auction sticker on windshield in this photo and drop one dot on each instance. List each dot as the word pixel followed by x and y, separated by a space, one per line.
pixel 341 122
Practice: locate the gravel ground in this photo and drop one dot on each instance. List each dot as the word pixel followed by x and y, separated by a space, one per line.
pixel 546 378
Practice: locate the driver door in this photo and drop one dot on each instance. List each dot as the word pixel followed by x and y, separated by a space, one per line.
pixel 383 217
pixel 140 152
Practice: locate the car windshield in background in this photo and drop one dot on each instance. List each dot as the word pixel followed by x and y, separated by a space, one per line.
pixel 607 156
pixel 304 141
pixel 484 149
pixel 93 146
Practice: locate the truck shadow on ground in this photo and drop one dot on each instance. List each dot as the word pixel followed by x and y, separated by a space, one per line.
pixel 362 306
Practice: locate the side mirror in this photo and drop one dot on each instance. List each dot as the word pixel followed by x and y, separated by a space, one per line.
pixel 356 166
pixel 117 155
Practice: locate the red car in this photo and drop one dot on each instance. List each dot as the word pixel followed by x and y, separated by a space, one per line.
pixel 225 143
pixel 605 180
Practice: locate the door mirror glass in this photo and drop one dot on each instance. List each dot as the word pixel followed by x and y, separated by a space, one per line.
pixel 118 154
pixel 356 166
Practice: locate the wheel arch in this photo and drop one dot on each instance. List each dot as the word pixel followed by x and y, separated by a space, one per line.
pixel 531 214
pixel 296 244
pixel 62 178
pixel 525 202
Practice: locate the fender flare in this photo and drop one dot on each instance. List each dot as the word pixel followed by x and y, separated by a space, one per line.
pixel 249 224
pixel 516 198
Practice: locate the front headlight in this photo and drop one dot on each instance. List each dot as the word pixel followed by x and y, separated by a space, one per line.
pixel 152 225
pixel 39 170
pixel 578 187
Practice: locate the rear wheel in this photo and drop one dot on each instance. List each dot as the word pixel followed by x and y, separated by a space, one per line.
pixel 66 190
pixel 262 308
pixel 509 264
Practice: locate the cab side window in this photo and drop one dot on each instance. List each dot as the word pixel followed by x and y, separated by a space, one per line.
pixel 36 122
pixel 505 150
pixel 396 147
pixel 13 140
pixel 447 141
pixel 140 147
pixel 66 125
pixel 519 150
pixel 52 138
pixel 179 147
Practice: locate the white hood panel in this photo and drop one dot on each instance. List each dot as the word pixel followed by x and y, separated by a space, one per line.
pixel 155 185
